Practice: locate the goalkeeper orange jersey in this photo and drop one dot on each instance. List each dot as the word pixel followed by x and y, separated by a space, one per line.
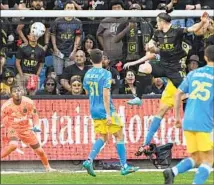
pixel 17 116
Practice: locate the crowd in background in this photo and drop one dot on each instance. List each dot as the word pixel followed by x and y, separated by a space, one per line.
pixel 58 63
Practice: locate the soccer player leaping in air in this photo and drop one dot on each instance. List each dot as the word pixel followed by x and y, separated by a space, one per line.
pixel 198 121
pixel 169 42
pixel 97 84
pixel 15 115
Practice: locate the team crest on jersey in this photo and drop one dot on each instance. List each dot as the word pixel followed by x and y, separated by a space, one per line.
pixel 32 56
pixel 34 111
pixel 25 110
pixel 11 131
pixel 132 47
pixel 165 39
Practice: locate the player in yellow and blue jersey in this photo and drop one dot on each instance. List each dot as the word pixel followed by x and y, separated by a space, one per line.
pixel 97 84
pixel 198 121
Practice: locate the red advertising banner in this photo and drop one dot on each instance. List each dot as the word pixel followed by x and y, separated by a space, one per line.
pixel 67 131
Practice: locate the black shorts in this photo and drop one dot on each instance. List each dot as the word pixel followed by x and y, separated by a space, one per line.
pixel 175 74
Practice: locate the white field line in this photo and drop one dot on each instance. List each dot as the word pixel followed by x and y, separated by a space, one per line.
pixel 83 171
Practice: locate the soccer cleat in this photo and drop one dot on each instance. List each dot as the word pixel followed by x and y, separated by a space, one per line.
pixel 168 176
pixel 89 167
pixel 51 170
pixel 142 149
pixel 135 101
pixel 128 170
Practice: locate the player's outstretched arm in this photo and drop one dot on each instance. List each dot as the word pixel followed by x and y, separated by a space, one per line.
pixel 178 100
pixel 196 27
pixel 35 118
pixel 147 57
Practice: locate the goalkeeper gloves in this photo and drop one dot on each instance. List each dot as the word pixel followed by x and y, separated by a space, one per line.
pixel 35 129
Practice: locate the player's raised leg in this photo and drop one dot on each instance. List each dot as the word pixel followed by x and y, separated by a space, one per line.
pixel 167 102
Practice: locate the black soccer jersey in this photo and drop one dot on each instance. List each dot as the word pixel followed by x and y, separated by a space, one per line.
pixel 30 58
pixel 170 44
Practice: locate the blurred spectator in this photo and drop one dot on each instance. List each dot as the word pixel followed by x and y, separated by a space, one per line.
pixel 23 28
pixel 107 31
pixel 129 84
pixel 155 3
pixel 50 73
pixel 13 4
pixel 7 81
pixel 157 86
pixel 29 63
pixel 59 4
pixel 4 5
pixel 27 4
pixel 50 87
pixel 91 24
pixel 184 4
pixel 144 4
pixel 88 43
pixel 20 4
pixel 207 4
pixel 2 63
pixel 77 69
pixel 76 86
pixel 50 4
pixel 6 35
pixel 115 75
pixel 65 36
pixel 134 33
pixel 193 63
pixel 161 6
pixel 98 4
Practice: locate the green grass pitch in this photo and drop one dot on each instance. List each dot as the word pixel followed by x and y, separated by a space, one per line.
pixel 102 178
